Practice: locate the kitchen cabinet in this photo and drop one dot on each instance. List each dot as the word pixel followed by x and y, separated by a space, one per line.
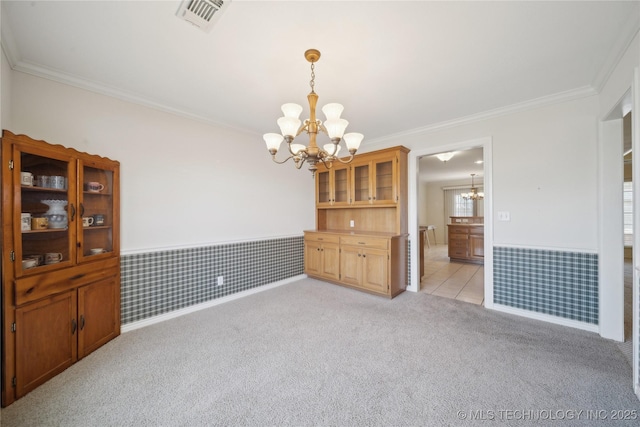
pixel 60 259
pixel 466 242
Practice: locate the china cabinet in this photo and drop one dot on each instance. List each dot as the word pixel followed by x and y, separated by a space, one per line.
pixel 360 239
pixel 60 259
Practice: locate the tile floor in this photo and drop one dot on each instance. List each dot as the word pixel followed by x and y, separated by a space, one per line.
pixel 455 280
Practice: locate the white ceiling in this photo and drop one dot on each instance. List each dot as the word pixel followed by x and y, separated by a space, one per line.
pixel 396 66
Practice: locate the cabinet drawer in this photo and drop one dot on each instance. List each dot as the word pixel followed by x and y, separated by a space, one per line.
pixel 458 253
pixel 365 241
pixel 40 286
pixel 458 230
pixel 458 243
pixel 322 237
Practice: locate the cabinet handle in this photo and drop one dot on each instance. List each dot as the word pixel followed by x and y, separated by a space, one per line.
pixel 81 209
pixel 318 249
pixel 73 211
pixel 82 322
pixel 74 326
pixel 359 255
pixel 364 255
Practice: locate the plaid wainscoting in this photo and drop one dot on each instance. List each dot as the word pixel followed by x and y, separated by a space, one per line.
pixel 155 283
pixel 563 284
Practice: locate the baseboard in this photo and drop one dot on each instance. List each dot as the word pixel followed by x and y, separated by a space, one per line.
pixel 545 318
pixel 177 313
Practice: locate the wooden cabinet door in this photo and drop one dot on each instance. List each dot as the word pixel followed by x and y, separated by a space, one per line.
pixel 341 185
pixel 51 194
pixel 46 340
pixel 384 181
pixel 324 194
pixel 476 246
pixel 98 190
pixel 312 258
pixel 98 315
pixel 361 183
pixel 351 265
pixel 375 270
pixel 330 254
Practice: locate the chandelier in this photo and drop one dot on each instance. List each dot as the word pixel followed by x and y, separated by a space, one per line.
pixel 290 127
pixel 473 195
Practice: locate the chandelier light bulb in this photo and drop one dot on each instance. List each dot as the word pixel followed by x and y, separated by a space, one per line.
pixel 353 140
pixel 273 141
pixel 289 126
pixel 332 111
pixel 291 110
pixel 329 149
pixel 297 148
pixel 335 127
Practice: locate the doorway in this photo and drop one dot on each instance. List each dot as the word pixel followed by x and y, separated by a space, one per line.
pixel 451 185
pixel 485 145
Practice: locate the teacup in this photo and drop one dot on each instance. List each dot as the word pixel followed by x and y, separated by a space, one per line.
pixel 39 258
pixel 26 178
pixel 96 251
pixel 43 181
pixel 52 257
pixel 98 219
pixel 94 187
pixel 29 263
pixel 58 182
pixel 87 221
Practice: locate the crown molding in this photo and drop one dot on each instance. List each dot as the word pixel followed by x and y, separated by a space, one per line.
pixel 544 101
pixel 627 33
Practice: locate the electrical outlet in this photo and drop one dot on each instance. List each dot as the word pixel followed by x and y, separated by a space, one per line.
pixel 220 281
pixel 352 223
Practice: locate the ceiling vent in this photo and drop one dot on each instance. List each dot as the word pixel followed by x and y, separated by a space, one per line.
pixel 202 13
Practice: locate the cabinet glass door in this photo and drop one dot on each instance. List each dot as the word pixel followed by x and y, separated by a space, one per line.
pixel 361 183
pixel 384 182
pixel 323 186
pixel 341 185
pixel 44 194
pixel 97 211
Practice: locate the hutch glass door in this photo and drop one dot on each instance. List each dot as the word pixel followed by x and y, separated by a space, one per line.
pixel 44 194
pixel 95 225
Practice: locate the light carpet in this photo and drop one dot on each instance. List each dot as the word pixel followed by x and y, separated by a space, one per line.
pixel 310 353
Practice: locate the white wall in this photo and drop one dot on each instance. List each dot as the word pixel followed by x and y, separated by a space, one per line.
pixel 183 182
pixel 544 172
pixel 5 89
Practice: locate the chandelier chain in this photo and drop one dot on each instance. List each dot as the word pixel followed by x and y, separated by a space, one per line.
pixel 313 77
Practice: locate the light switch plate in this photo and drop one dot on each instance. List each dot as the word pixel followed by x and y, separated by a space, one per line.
pixel 504 216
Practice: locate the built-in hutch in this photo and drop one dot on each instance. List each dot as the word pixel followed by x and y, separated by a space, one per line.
pixel 361 233
pixel 60 259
